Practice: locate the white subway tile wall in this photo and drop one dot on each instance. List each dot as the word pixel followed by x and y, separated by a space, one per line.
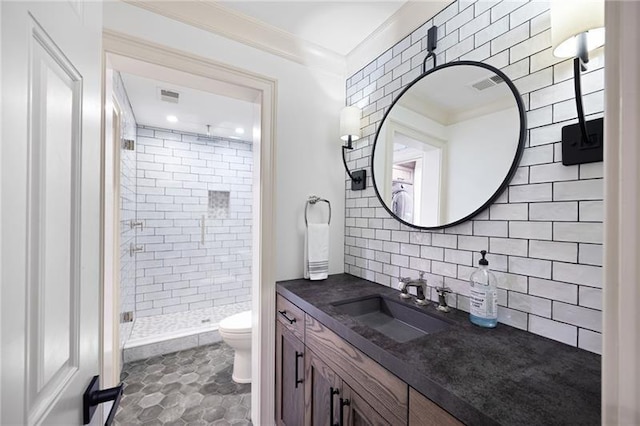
pixel 544 233
pixel 127 206
pixel 183 267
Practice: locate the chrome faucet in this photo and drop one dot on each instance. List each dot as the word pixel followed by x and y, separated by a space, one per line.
pixel 442 298
pixel 421 289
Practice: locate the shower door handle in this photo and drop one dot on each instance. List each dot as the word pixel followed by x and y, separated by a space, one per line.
pixel 203 229
pixel 298 381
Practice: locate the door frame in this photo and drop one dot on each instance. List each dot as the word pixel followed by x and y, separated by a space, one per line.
pixel 621 317
pixel 110 354
pixel 263 267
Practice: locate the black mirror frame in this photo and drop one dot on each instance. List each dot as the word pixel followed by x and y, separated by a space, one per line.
pixel 512 169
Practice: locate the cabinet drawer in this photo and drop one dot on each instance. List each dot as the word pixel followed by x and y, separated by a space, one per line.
pixel 290 316
pixel 375 384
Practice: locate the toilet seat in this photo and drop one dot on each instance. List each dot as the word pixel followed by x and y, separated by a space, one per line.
pixel 236 324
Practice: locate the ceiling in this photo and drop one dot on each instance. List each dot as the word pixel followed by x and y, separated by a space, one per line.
pixel 448 95
pixel 341 27
pixel 195 110
pixel 336 36
pixel 338 26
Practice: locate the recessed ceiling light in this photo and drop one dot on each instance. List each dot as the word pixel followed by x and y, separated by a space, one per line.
pixel 240 130
pixel 172 119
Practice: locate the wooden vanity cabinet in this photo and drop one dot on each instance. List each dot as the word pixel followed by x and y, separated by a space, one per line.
pixel 322 380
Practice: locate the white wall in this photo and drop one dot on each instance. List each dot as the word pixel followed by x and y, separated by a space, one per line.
pixel 307 140
pixel 472 146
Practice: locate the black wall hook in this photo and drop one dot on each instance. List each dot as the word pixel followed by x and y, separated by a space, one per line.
pixel 432 43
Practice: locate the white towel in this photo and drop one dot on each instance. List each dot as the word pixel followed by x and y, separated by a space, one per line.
pixel 316 251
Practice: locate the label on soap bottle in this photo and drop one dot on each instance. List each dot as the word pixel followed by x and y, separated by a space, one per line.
pixel 482 304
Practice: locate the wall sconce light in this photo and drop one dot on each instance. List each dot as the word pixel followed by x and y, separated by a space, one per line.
pixel 349 132
pixel 577 27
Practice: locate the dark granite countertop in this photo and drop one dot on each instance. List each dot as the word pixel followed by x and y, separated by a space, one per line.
pixel 482 376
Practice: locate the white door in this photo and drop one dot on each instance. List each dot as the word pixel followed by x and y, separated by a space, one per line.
pixel 50 209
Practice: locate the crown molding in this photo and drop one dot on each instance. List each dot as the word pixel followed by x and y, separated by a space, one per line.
pixel 215 18
pixel 399 25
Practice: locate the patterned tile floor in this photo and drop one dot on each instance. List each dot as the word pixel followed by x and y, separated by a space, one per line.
pixel 191 387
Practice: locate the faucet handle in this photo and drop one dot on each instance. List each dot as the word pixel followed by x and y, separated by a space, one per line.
pixel 442 299
pixel 404 294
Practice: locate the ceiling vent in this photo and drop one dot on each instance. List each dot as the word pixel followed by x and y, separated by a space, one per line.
pixel 169 96
pixel 487 82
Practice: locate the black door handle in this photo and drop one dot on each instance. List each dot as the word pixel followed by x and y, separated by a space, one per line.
pixel 332 391
pixel 93 397
pixel 298 355
pixel 343 403
pixel 284 314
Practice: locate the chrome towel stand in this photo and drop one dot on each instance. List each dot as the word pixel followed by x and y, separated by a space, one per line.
pixel 313 200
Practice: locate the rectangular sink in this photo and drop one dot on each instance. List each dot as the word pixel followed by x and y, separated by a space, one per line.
pixel 390 317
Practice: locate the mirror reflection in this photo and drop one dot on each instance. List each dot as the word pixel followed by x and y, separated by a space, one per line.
pixel 447 145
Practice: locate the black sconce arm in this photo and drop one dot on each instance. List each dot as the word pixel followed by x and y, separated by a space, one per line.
pixel 578 66
pixel 344 160
pixel 358 178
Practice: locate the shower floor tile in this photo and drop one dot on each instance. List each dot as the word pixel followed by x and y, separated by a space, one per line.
pixel 197 320
pixel 192 387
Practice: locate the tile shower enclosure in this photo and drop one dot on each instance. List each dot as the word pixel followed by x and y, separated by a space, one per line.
pixel 544 233
pixel 194 197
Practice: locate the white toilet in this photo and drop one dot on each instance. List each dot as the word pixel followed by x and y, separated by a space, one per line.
pixel 236 332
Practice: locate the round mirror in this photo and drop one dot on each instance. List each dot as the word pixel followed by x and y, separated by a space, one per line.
pixel 448 145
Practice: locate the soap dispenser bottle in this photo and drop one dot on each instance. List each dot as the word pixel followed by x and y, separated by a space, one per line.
pixel 483 303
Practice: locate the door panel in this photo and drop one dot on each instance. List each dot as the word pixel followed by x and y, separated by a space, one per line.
pixel 53 227
pixel 50 216
pixel 289 378
pixel 322 392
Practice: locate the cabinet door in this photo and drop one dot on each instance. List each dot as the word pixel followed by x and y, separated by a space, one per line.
pixel 355 411
pixel 289 378
pixel 322 392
